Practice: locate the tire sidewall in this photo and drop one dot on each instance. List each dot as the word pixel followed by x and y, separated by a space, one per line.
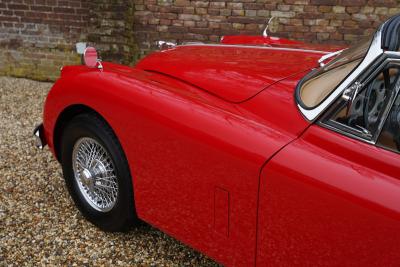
pixel 117 217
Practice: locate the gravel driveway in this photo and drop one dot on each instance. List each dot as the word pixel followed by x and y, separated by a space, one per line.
pixel 39 224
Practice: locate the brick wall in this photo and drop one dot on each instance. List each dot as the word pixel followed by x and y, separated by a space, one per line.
pixel 37 37
pixel 323 21
pixel 111 30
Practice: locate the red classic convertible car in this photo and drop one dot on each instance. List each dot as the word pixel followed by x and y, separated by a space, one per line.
pixel 256 151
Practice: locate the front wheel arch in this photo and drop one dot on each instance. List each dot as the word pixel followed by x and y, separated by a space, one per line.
pixel 93 126
pixel 64 118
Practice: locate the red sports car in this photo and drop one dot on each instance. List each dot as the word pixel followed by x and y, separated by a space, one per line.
pixel 256 151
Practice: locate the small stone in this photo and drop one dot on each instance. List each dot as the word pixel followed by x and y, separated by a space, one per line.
pixel 39 223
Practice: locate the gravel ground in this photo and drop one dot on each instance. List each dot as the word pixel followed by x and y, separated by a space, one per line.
pixel 39 224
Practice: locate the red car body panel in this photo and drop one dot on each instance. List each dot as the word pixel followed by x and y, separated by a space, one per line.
pixel 224 161
pixel 230 71
pixel 332 198
pixel 184 146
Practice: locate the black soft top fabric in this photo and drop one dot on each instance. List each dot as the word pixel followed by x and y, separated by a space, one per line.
pixel 391 34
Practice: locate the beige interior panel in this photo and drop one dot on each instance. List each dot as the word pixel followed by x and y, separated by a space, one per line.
pixel 317 89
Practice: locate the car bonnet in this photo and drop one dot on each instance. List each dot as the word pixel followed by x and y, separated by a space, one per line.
pixel 232 72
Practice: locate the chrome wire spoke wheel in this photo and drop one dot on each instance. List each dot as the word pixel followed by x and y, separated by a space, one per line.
pixel 95 174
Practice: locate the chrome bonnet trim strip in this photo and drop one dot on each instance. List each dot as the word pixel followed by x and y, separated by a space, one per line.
pixel 259 47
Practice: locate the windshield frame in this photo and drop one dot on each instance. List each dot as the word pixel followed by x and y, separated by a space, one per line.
pixel 311 113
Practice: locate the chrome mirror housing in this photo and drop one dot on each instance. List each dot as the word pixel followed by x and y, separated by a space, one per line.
pixel 349 95
pixel 163 45
pixel 90 58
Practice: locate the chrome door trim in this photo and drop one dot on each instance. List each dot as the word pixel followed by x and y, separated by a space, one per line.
pixel 355 133
pixel 374 52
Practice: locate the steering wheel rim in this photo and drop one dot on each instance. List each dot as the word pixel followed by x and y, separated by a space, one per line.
pixel 394 124
pixel 373 108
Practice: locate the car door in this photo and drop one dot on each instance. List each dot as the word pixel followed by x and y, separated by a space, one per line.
pixel 332 197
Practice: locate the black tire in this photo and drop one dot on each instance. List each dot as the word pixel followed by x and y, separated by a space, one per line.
pixel 122 215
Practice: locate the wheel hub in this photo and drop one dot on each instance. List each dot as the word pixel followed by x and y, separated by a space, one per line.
pixel 98 168
pixel 86 177
pixel 95 174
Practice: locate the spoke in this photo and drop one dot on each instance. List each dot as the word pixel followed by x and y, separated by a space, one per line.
pixel 105 195
pixel 80 164
pixel 108 178
pixel 108 181
pixel 91 157
pixel 107 186
pixel 104 190
pixel 86 152
pixel 91 154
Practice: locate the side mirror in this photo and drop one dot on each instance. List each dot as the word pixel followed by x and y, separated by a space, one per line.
pixel 163 45
pixel 349 95
pixel 91 59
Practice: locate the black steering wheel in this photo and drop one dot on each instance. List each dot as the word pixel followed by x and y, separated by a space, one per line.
pixel 375 99
pixel 393 122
